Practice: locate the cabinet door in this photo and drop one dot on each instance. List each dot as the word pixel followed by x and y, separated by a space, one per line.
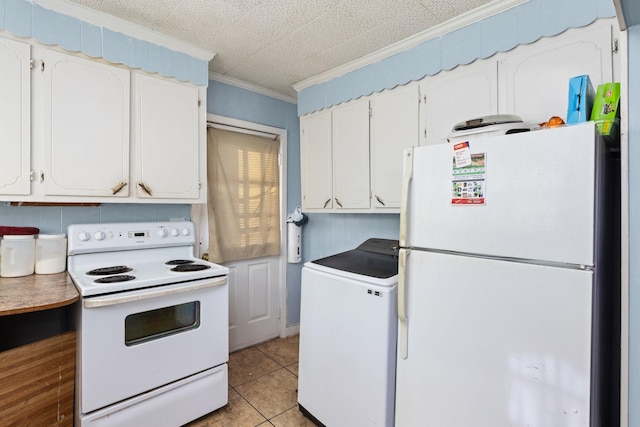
pixel 535 82
pixel 351 155
pixel 464 93
pixel 394 127
pixel 86 127
pixel 167 139
pixel 315 160
pixel 15 117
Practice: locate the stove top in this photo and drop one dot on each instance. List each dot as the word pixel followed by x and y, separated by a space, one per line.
pixel 109 258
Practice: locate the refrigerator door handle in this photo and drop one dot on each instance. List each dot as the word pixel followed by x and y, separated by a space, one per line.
pixel 403 333
pixel 407 176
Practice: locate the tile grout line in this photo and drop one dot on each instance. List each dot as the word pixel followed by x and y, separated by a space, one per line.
pixel 260 376
pixel 286 410
pixel 280 366
pixel 250 404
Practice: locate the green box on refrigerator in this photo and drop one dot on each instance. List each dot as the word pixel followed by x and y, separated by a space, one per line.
pixel 605 109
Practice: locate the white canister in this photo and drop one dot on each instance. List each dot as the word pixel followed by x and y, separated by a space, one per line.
pixel 51 253
pixel 17 255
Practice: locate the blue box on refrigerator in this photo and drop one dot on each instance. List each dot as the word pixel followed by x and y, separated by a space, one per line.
pixel 581 96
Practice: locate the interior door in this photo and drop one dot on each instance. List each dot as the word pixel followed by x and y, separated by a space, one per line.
pixel 494 343
pixel 253 301
pixel 254 278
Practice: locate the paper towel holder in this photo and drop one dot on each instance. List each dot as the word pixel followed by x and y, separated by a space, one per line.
pixel 295 221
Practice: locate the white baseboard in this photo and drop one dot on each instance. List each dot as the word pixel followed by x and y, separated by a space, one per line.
pixel 291 330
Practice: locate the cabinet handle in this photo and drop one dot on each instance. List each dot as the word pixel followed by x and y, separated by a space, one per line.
pixel 41 176
pixel 326 203
pixel 380 200
pixel 118 187
pixel 145 188
pixel 338 202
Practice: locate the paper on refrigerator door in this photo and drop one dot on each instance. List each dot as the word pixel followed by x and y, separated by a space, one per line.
pixel 469 184
pixel 462 154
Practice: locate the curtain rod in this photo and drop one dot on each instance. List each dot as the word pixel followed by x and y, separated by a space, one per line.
pixel 242 130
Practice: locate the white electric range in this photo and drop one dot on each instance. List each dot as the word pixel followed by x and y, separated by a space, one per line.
pixel 152 325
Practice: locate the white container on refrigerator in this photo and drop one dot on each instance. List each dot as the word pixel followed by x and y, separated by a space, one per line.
pixel 507 308
pixel 348 327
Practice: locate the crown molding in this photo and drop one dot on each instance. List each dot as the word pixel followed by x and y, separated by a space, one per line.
pixel 251 87
pixel 439 30
pixel 113 23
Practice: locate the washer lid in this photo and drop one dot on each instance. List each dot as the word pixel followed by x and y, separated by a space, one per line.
pixel 374 258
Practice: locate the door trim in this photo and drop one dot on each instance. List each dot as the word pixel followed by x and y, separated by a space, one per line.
pixel 199 211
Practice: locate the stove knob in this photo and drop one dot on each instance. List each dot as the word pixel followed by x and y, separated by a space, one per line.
pixel 175 232
pixel 84 236
pixel 99 235
pixel 185 232
pixel 161 233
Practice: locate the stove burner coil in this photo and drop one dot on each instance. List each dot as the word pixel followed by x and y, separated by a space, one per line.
pixel 105 271
pixel 115 279
pixel 190 267
pixel 179 262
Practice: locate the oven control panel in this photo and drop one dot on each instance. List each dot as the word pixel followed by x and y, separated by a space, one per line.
pixel 85 238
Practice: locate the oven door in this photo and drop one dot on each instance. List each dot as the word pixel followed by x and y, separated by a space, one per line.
pixel 136 341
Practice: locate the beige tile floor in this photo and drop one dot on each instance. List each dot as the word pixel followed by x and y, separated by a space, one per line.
pixel 263 384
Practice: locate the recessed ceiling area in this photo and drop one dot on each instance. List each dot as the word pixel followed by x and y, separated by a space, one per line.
pixel 274 44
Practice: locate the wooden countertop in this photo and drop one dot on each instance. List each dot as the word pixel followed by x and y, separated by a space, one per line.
pixel 35 293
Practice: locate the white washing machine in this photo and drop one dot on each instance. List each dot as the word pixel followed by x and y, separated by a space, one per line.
pixel 348 329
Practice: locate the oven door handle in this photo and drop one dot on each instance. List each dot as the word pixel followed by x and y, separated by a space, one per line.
pixel 142 294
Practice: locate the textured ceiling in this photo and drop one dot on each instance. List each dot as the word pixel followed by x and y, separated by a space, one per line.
pixel 276 43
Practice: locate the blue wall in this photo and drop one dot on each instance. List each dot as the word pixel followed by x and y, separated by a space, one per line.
pixel 55 219
pixel 231 101
pixel 501 32
pixel 23 18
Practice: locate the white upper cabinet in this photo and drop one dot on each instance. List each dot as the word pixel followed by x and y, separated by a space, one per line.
pixel 334 158
pixel 535 78
pixel 466 92
pixel 15 117
pixel 78 130
pixel 350 134
pixel 394 126
pixel 85 128
pixel 315 160
pixel 166 139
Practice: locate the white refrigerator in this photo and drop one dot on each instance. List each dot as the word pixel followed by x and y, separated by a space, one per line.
pixel 508 294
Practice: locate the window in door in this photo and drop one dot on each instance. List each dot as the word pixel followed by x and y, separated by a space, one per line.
pixel 244 196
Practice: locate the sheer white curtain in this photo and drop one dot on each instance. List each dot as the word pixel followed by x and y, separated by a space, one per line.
pixel 243 200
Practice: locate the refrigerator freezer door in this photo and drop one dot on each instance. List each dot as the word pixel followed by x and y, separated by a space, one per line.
pixel 494 343
pixel 539 192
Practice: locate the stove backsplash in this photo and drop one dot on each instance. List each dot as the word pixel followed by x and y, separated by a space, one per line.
pixel 56 219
